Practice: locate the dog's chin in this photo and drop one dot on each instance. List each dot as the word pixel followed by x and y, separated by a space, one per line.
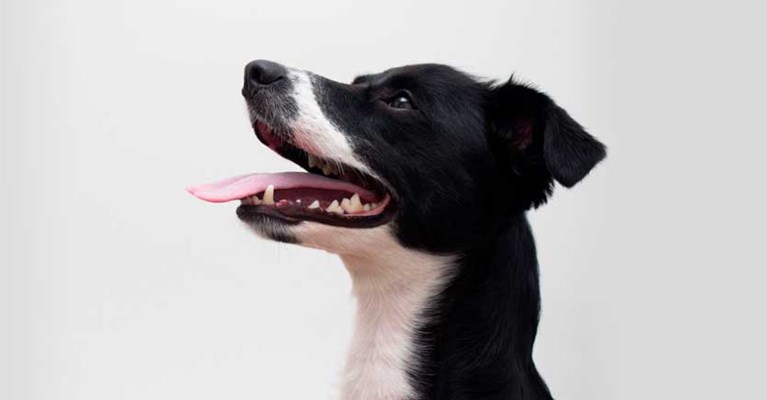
pixel 271 228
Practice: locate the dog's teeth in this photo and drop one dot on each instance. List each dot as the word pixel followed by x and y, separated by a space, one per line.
pixel 315 204
pixel 246 200
pixel 327 169
pixel 298 201
pixel 315 161
pixel 269 195
pixel 366 207
pixel 356 203
pixel 335 208
pixel 255 200
pixel 346 204
pixel 352 205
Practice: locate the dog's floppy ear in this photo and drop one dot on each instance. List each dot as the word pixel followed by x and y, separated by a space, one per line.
pixel 538 140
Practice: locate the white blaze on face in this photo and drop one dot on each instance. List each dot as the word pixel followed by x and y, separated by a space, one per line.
pixel 393 286
pixel 314 132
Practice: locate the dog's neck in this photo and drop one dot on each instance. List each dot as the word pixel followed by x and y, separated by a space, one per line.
pixel 479 341
pixel 393 287
pixel 433 327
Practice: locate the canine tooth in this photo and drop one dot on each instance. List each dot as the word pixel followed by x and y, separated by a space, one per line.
pixel 269 195
pixel 335 208
pixel 315 204
pixel 366 207
pixel 356 203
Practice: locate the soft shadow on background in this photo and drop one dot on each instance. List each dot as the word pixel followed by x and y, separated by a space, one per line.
pixel 116 284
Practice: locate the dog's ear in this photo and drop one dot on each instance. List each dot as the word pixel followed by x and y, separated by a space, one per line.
pixel 537 140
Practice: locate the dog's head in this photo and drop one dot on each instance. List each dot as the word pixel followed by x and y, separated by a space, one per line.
pixel 430 155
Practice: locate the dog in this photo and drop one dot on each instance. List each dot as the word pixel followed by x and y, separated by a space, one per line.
pixel 419 178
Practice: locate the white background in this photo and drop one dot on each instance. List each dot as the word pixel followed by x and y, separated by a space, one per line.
pixel 116 284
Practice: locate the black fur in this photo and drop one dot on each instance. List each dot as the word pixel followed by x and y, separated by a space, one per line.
pixel 267 226
pixel 466 164
pixel 481 332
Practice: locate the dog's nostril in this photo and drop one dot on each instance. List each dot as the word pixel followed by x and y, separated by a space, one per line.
pixel 263 72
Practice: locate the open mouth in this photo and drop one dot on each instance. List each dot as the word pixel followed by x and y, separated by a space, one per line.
pixel 328 192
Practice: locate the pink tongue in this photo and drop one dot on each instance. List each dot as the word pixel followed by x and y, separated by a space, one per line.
pixel 247 185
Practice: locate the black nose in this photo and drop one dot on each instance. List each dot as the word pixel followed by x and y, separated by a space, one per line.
pixel 263 72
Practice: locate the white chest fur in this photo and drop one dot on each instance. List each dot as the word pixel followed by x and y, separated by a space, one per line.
pixel 393 286
pixel 393 290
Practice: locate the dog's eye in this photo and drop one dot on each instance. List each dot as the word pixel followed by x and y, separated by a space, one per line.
pixel 401 101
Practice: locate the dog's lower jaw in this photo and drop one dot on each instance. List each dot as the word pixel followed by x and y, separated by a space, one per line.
pixel 393 286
